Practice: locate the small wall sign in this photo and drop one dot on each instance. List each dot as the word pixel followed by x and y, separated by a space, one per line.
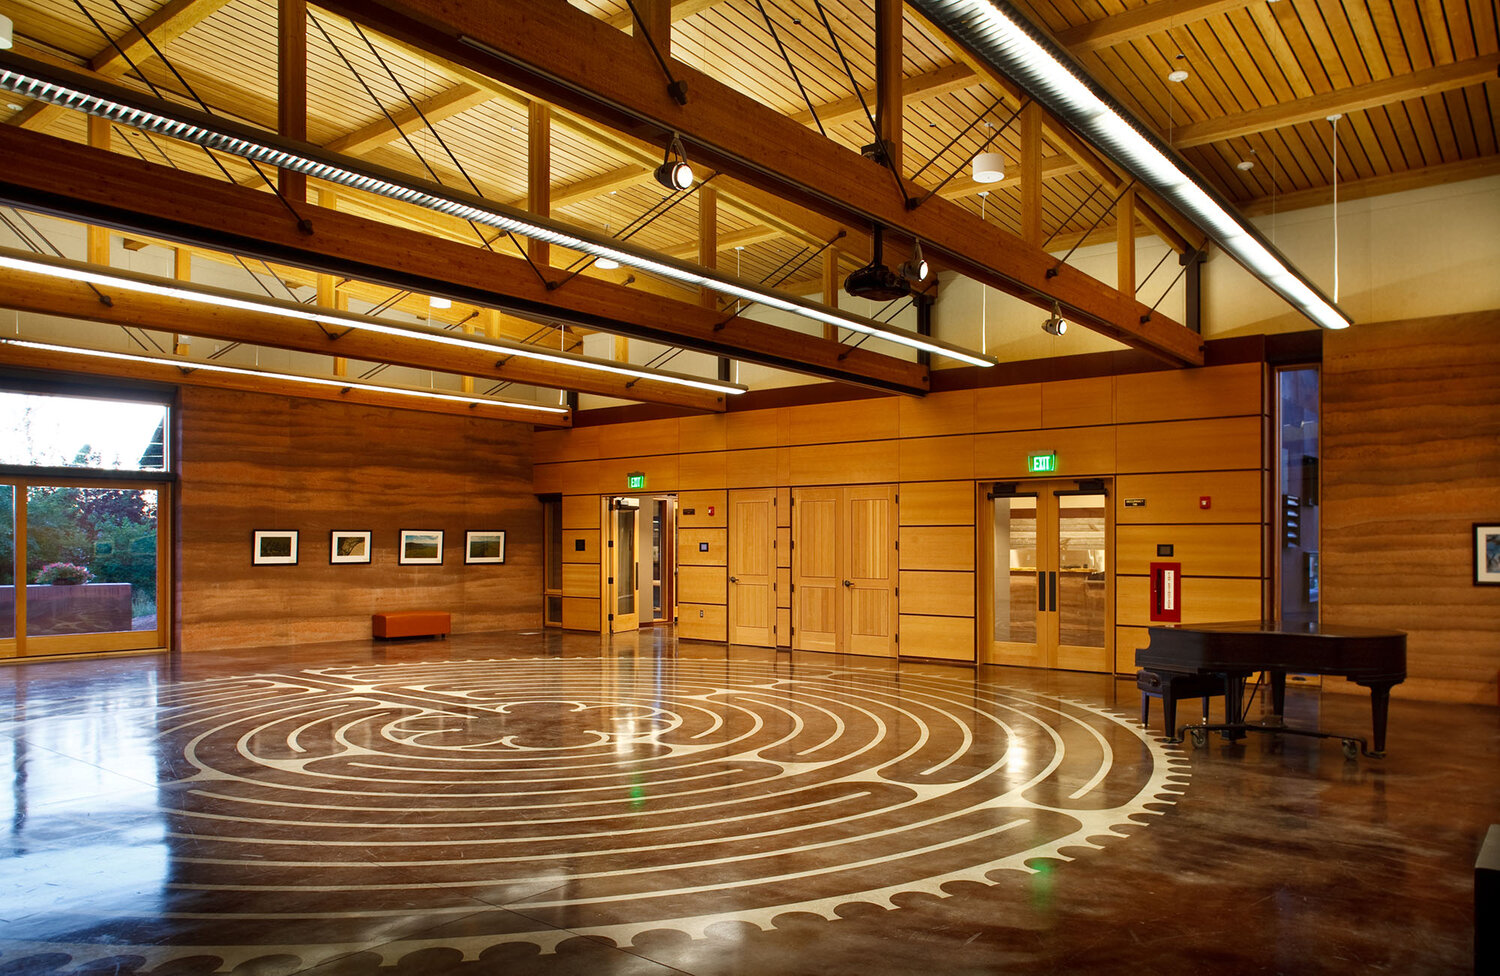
pixel 1041 462
pixel 1135 503
pixel 635 480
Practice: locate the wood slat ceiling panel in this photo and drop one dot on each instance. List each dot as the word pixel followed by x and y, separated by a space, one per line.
pixel 1263 54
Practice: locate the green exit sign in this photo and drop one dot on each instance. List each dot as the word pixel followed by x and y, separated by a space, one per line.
pixel 635 480
pixel 1042 462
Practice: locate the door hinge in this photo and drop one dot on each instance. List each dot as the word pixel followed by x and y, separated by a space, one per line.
pixel 898 638
pixel 611 543
pixel 898 544
pixel 898 591
pixel 611 617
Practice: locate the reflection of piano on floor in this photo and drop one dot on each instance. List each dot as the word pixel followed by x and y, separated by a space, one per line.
pixel 1375 659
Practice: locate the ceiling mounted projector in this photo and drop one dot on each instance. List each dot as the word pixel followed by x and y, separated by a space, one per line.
pixel 875 281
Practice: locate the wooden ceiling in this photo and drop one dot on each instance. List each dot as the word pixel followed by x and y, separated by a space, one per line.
pixel 1416 83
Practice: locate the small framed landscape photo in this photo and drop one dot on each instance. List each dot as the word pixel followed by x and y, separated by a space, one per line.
pixel 484 547
pixel 1487 553
pixel 349 547
pixel 420 547
pixel 274 547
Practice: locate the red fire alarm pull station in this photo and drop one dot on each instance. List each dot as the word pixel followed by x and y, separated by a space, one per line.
pixel 1166 592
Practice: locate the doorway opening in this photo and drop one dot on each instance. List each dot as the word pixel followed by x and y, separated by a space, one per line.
pixel 1046 587
pixel 639 561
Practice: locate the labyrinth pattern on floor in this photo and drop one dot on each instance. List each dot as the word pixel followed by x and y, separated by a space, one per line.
pixel 471 804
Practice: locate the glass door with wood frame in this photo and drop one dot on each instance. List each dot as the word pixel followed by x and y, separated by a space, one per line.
pixel 621 581
pixel 1046 586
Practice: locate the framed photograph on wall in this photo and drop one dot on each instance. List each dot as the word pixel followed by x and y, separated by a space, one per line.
pixel 345 546
pixel 484 547
pixel 1487 553
pixel 274 547
pixel 420 547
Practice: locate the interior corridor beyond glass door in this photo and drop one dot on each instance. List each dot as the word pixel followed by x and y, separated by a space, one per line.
pixel 1046 587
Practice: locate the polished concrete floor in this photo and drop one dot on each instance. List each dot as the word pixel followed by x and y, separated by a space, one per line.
pixel 542 803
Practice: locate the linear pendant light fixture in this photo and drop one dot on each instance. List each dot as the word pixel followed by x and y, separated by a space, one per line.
pixel 194 365
pixel 1002 37
pixel 58 86
pixel 499 348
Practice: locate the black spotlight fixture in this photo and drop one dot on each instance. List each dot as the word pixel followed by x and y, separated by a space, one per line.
pixel 875 281
pixel 674 173
pixel 1055 324
pixel 915 270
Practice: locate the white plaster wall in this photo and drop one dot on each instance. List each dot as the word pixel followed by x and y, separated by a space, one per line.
pixel 1431 251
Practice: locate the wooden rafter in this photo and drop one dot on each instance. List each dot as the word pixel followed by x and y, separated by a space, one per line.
pixel 183 374
pixel 29 291
pixel 114 59
pixel 1418 84
pixel 1143 21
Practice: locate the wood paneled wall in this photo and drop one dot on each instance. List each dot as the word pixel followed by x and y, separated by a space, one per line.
pixel 1411 460
pixel 1169 437
pixel 252 461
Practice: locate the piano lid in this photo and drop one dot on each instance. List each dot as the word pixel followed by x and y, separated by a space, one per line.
pixel 1299 627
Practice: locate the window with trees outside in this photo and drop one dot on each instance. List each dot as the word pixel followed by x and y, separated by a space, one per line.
pixel 84 493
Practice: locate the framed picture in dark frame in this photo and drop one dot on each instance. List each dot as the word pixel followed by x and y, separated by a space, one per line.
pixel 348 546
pixel 420 547
pixel 484 547
pixel 274 547
pixel 1487 553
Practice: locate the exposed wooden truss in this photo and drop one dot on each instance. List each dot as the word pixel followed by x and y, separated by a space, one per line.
pixel 555 50
pixel 82 183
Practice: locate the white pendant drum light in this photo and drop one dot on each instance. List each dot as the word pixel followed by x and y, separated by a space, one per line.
pixel 989 167
pixel 5 33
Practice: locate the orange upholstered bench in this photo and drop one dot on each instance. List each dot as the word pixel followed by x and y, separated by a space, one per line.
pixel 412 623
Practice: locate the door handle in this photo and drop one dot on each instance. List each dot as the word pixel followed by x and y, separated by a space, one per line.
pixel 1052 591
pixel 1041 591
pixel 847 583
pixel 734 579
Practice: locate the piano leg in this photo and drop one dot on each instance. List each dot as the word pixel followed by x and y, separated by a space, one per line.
pixel 1234 705
pixel 1380 707
pixel 1278 697
pixel 1169 709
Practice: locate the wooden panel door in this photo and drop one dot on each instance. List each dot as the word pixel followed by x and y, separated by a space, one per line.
pixel 752 567
pixel 817 580
pixel 869 582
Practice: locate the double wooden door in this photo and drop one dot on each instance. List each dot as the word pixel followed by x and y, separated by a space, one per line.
pixel 1046 588
pixel 844 569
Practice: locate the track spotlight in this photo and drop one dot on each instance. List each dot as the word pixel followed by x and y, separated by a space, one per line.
pixel 674 173
pixel 1055 324
pixel 916 269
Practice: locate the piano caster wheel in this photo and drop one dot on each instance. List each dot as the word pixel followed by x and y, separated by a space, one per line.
pixel 1351 749
pixel 1200 738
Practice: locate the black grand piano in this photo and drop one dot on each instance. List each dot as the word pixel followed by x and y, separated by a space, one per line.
pixel 1231 652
